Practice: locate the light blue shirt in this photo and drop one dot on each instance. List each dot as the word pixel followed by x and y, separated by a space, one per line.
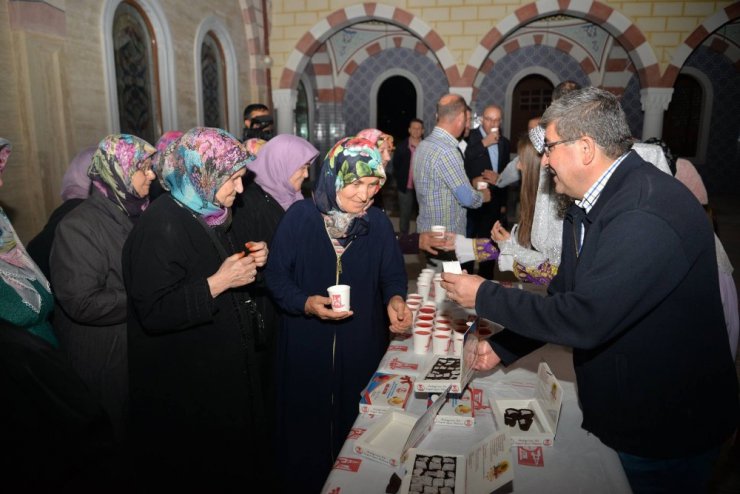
pixel 492 151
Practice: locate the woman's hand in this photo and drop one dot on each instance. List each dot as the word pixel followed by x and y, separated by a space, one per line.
pixel 316 305
pixel 499 233
pixel 399 315
pixel 236 270
pixel 258 250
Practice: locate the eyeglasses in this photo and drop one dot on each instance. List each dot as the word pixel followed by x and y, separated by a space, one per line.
pixel 549 145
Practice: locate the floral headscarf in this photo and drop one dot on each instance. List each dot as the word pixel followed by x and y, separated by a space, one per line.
pixel 17 269
pixel 350 159
pixel 254 145
pixel 382 141
pixel 166 139
pixel 76 183
pixel 197 165
pixel 118 157
pixel 277 161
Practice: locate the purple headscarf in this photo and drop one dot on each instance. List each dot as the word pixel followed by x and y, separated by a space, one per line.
pixel 76 183
pixel 277 161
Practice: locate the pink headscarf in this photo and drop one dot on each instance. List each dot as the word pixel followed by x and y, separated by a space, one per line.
pixel 686 174
pixel 277 161
pixel 76 183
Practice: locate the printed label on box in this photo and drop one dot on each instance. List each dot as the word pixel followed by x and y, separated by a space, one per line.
pixel 398 348
pixel 347 464
pixel 532 457
pixel 355 433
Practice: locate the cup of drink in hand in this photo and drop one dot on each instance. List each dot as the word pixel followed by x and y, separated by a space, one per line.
pixel 339 295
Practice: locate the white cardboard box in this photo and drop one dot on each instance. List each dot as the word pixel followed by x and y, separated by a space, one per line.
pixel 458 410
pixel 389 439
pixel 485 468
pixel 386 392
pixel 447 371
pixel 546 406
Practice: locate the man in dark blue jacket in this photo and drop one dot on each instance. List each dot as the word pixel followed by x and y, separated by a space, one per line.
pixel 637 298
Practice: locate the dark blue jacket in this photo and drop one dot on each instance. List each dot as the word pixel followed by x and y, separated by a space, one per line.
pixel 641 308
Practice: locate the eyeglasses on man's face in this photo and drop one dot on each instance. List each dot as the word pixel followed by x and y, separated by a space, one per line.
pixel 549 145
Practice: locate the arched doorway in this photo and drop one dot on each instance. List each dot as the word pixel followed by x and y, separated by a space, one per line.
pixel 530 99
pixel 396 106
pixel 682 120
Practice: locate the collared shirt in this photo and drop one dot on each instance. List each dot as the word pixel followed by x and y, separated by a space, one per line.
pixel 593 193
pixel 442 188
pixel 492 151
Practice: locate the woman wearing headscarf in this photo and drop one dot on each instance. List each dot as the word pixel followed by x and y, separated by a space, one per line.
pixel 164 140
pixel 86 270
pixel 195 383
pixel 75 189
pixel 55 435
pixel 326 358
pixel 25 296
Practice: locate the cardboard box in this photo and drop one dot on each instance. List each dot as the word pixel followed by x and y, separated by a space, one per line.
pixel 446 371
pixel 386 392
pixel 546 407
pixel 457 410
pixel 389 440
pixel 483 469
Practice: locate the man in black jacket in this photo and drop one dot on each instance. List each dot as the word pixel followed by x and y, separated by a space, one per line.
pixel 403 173
pixel 636 296
pixel 486 155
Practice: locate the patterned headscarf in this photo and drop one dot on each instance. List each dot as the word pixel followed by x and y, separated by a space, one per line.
pixel 254 145
pixel 76 183
pixel 166 139
pixel 17 269
pixel 118 157
pixel 350 159
pixel 382 141
pixel 277 161
pixel 197 165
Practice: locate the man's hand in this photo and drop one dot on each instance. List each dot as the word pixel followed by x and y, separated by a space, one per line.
pixel 399 315
pixel 462 288
pixel 490 176
pixel 491 139
pixel 316 305
pixel 430 242
pixel 487 358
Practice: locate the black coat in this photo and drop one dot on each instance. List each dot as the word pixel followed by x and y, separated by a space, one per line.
pixel 401 163
pixel 195 391
pixel 641 308
pixel 477 159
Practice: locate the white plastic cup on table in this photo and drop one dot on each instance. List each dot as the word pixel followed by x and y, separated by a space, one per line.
pixel 414 296
pixel 439 230
pixel 439 293
pixel 440 344
pixel 422 338
pixel 458 338
pixel 428 271
pixel 339 295
pixel 423 287
pixel 427 309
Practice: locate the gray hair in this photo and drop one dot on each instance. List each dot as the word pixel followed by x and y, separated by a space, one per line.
pixel 591 112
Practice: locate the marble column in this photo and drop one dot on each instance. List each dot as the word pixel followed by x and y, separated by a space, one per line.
pixel 655 102
pixel 284 101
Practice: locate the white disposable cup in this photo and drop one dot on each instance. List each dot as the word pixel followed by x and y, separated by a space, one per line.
pixel 439 293
pixel 423 288
pixel 482 185
pixel 439 230
pixel 429 271
pixel 339 295
pixel 422 338
pixel 458 338
pixel 440 344
pixel 413 296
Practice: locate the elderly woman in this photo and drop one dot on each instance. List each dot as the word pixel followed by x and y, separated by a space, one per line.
pixel 25 296
pixel 56 436
pixel 195 383
pixel 86 272
pixel 325 358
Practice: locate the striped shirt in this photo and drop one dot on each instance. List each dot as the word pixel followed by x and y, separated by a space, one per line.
pixel 442 188
pixel 593 193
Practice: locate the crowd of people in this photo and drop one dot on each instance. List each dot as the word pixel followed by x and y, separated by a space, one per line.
pixel 170 326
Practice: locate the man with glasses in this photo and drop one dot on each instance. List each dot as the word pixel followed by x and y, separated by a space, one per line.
pixel 486 156
pixel 636 296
